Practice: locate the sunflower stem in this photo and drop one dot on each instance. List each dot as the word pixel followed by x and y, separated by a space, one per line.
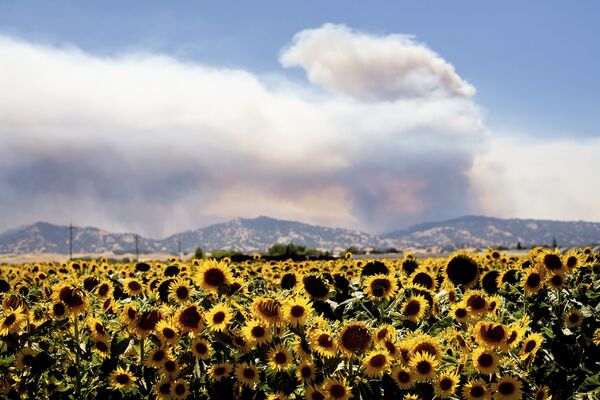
pixel 143 380
pixel 77 358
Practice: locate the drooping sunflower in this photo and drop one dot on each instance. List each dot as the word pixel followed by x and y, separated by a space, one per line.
pixel 355 337
pixel 462 269
pixel 247 374
pixel 385 332
pixel 316 287
pixel 121 379
pixel 573 318
pixel 323 343
pixel 376 363
pixel 280 358
pixel 201 348
pixel 256 332
pixel 446 383
pixel 219 317
pixel 180 389
pixel 189 319
pixel 476 302
pixel 424 279
pixel 180 290
pixel 485 361
pixel 147 321
pixel 336 389
pixel 296 311
pixel 306 372
pixel 72 297
pixel 212 275
pixel 101 346
pixel 491 335
pixel 13 321
pixel 489 281
pixel 531 344
pixel 507 387
pixel 424 366
pixel 415 308
pixel 268 310
pixel 26 358
pixel 403 376
pixel 476 390
pixel 219 371
pixel 380 287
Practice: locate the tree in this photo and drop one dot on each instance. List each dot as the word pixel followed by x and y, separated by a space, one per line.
pixel 554 243
pixel 519 246
pixel 199 253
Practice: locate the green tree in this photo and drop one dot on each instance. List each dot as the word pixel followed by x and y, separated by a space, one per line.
pixel 199 253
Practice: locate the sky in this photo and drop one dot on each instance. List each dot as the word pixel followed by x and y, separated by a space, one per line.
pixel 159 117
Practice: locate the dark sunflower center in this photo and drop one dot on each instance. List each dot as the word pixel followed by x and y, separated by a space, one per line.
pixel 533 280
pixel 58 309
pixel 122 379
pixel 165 388
pixel 149 319
pixel 506 388
pixel 485 360
pixel 214 277
pixel 201 348
pixel 306 372
pixel 390 347
pixel 288 281
pixel 180 389
pixel 170 366
pixel 219 317
pixel 461 312
pixel 425 347
pixel 297 311
pixel 573 318
pixel 424 367
pixel 28 360
pixel 571 262
pixel 337 391
pixel 10 320
pixel 446 383
pixel 356 338
pixel 412 308
pixel 70 297
pixel 377 361
pixel 529 346
pixel 280 358
pixel 476 302
pixel 103 347
pixel 315 286
pixel 493 334
pixel 477 391
pixel 168 333
pixel 325 340
pixel 134 286
pixel 556 280
pixel 424 280
pixel 219 371
pixel 462 270
pixel 249 373
pixel 403 377
pixel 182 292
pixel 190 317
pixel 552 262
pixel 258 331
pixel 158 356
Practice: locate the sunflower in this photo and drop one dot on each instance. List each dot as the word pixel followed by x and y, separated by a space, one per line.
pixel 101 346
pixel 551 260
pixel 376 363
pixel 180 290
pixel 306 372
pixel 97 328
pixel 167 332
pixel 169 369
pixel 121 379
pixel 129 314
pixel 424 366
pixel 476 390
pixel 459 312
pixel 385 332
pixel 212 275
pixel 180 389
pixel 411 396
pixel 277 396
pixel 247 374
pixel 336 389
pixel 556 281
pixel 485 361
pixel 573 318
pixel 596 337
pixel 476 302
pixel 256 332
pixel 426 344
pixel 217 372
pixel 316 287
pixel 508 387
pixel 531 345
pixel 219 317
pixel 302 349
pixel 162 390
pixel 105 289
pixel 201 349
pixel 380 287
pixel 533 280
pixel 446 383
pixel 189 319
pixel 132 287
pixel 280 358
pixel 354 337
pixel 489 281
pixel 26 358
pixel 403 376
pixel 157 358
pixel 424 279
pixel 147 321
pixel 491 335
pixel 543 393
pixel 72 297
pixel 415 308
pixel 268 310
pixel 323 343
pixel 297 310
pixel 314 393
pixel 13 321
pixel 462 269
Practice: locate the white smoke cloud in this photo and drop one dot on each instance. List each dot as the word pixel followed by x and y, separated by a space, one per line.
pixel 374 67
pixel 150 143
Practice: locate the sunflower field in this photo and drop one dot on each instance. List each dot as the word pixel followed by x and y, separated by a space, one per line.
pixel 468 326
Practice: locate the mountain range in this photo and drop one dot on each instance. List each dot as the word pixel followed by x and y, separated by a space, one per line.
pixel 257 234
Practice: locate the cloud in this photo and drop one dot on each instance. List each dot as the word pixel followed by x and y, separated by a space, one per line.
pixel 526 178
pixel 374 67
pixel 153 144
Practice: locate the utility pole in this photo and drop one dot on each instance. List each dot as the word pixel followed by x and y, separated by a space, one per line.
pixel 70 241
pixel 137 248
pixel 179 248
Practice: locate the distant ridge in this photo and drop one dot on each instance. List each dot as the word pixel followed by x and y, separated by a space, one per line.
pixel 257 234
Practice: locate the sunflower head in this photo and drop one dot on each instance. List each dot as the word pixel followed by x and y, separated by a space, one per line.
pixel 355 337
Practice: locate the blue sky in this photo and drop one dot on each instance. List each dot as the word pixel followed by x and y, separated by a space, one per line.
pixel 158 118
pixel 534 63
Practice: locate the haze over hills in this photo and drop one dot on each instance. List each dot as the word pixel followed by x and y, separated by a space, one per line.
pixel 257 234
